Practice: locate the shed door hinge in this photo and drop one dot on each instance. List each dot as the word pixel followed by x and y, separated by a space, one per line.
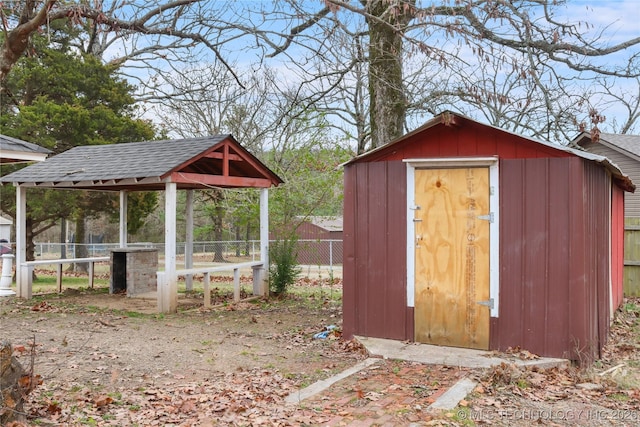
pixel 489 217
pixel 488 303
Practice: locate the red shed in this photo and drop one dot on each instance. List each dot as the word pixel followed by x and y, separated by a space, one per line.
pixel 462 234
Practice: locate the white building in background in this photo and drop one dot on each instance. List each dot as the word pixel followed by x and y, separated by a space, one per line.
pixel 5 228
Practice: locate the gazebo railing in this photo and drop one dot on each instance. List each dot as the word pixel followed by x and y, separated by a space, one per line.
pixel 256 266
pixel 26 272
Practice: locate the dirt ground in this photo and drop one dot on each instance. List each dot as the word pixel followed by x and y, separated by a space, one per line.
pixel 109 360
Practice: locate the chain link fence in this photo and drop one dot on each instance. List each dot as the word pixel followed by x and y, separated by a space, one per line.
pixel 315 257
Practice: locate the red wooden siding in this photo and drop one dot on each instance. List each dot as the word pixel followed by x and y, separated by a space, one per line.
pixel 560 259
pixel 313 249
pixel 374 270
pixel 472 139
pixel 309 231
pixel 617 246
pixel 554 277
pixel 350 285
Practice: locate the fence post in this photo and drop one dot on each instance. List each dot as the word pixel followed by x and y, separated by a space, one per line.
pixel 91 273
pixel 331 258
pixel 59 277
pixel 236 285
pixel 207 292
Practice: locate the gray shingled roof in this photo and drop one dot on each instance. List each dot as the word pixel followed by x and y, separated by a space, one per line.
pixel 147 163
pixel 630 143
pixel 10 149
pixel 115 161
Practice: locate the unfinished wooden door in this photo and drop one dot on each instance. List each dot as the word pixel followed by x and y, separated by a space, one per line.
pixel 452 220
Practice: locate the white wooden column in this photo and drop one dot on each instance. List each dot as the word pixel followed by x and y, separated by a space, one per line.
pixel 264 227
pixel 123 218
pixel 261 284
pixel 168 286
pixel 23 281
pixel 188 246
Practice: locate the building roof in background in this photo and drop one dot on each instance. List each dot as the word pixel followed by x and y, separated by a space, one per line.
pixel 13 150
pixel 625 144
pixel 329 223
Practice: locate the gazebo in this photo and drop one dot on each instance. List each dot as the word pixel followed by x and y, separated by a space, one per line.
pixel 187 164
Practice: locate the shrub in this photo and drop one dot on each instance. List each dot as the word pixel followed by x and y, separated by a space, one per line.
pixel 283 260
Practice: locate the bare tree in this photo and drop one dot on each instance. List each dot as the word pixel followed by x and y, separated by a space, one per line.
pixel 270 117
pixel 138 33
pixel 326 47
pixel 529 38
pixel 548 109
pixel 622 95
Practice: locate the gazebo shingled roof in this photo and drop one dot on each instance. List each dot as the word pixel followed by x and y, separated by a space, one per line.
pixel 194 163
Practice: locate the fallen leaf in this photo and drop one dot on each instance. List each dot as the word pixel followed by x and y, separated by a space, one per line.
pixel 53 408
pixel 102 400
pixel 359 393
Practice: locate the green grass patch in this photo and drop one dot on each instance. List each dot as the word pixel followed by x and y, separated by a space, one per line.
pixel 619 397
pixel 631 307
pixel 48 283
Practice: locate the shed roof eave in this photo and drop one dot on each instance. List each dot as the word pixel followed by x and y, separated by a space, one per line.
pixel 623 180
pixel 449 118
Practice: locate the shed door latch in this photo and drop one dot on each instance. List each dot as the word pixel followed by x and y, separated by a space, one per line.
pixel 489 217
pixel 488 303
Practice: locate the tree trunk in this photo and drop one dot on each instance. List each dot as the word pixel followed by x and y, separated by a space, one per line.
pixel 218 255
pixel 81 247
pixel 247 249
pixel 388 102
pixel 31 247
pixel 63 238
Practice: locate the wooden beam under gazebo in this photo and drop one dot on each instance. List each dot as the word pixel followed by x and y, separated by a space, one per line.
pixel 187 164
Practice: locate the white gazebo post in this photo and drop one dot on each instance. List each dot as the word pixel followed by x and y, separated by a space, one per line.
pixel 123 218
pixel 23 273
pixel 168 282
pixel 5 279
pixel 188 246
pixel 260 284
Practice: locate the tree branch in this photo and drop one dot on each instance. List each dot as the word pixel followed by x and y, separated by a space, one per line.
pixel 17 40
pixel 298 29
